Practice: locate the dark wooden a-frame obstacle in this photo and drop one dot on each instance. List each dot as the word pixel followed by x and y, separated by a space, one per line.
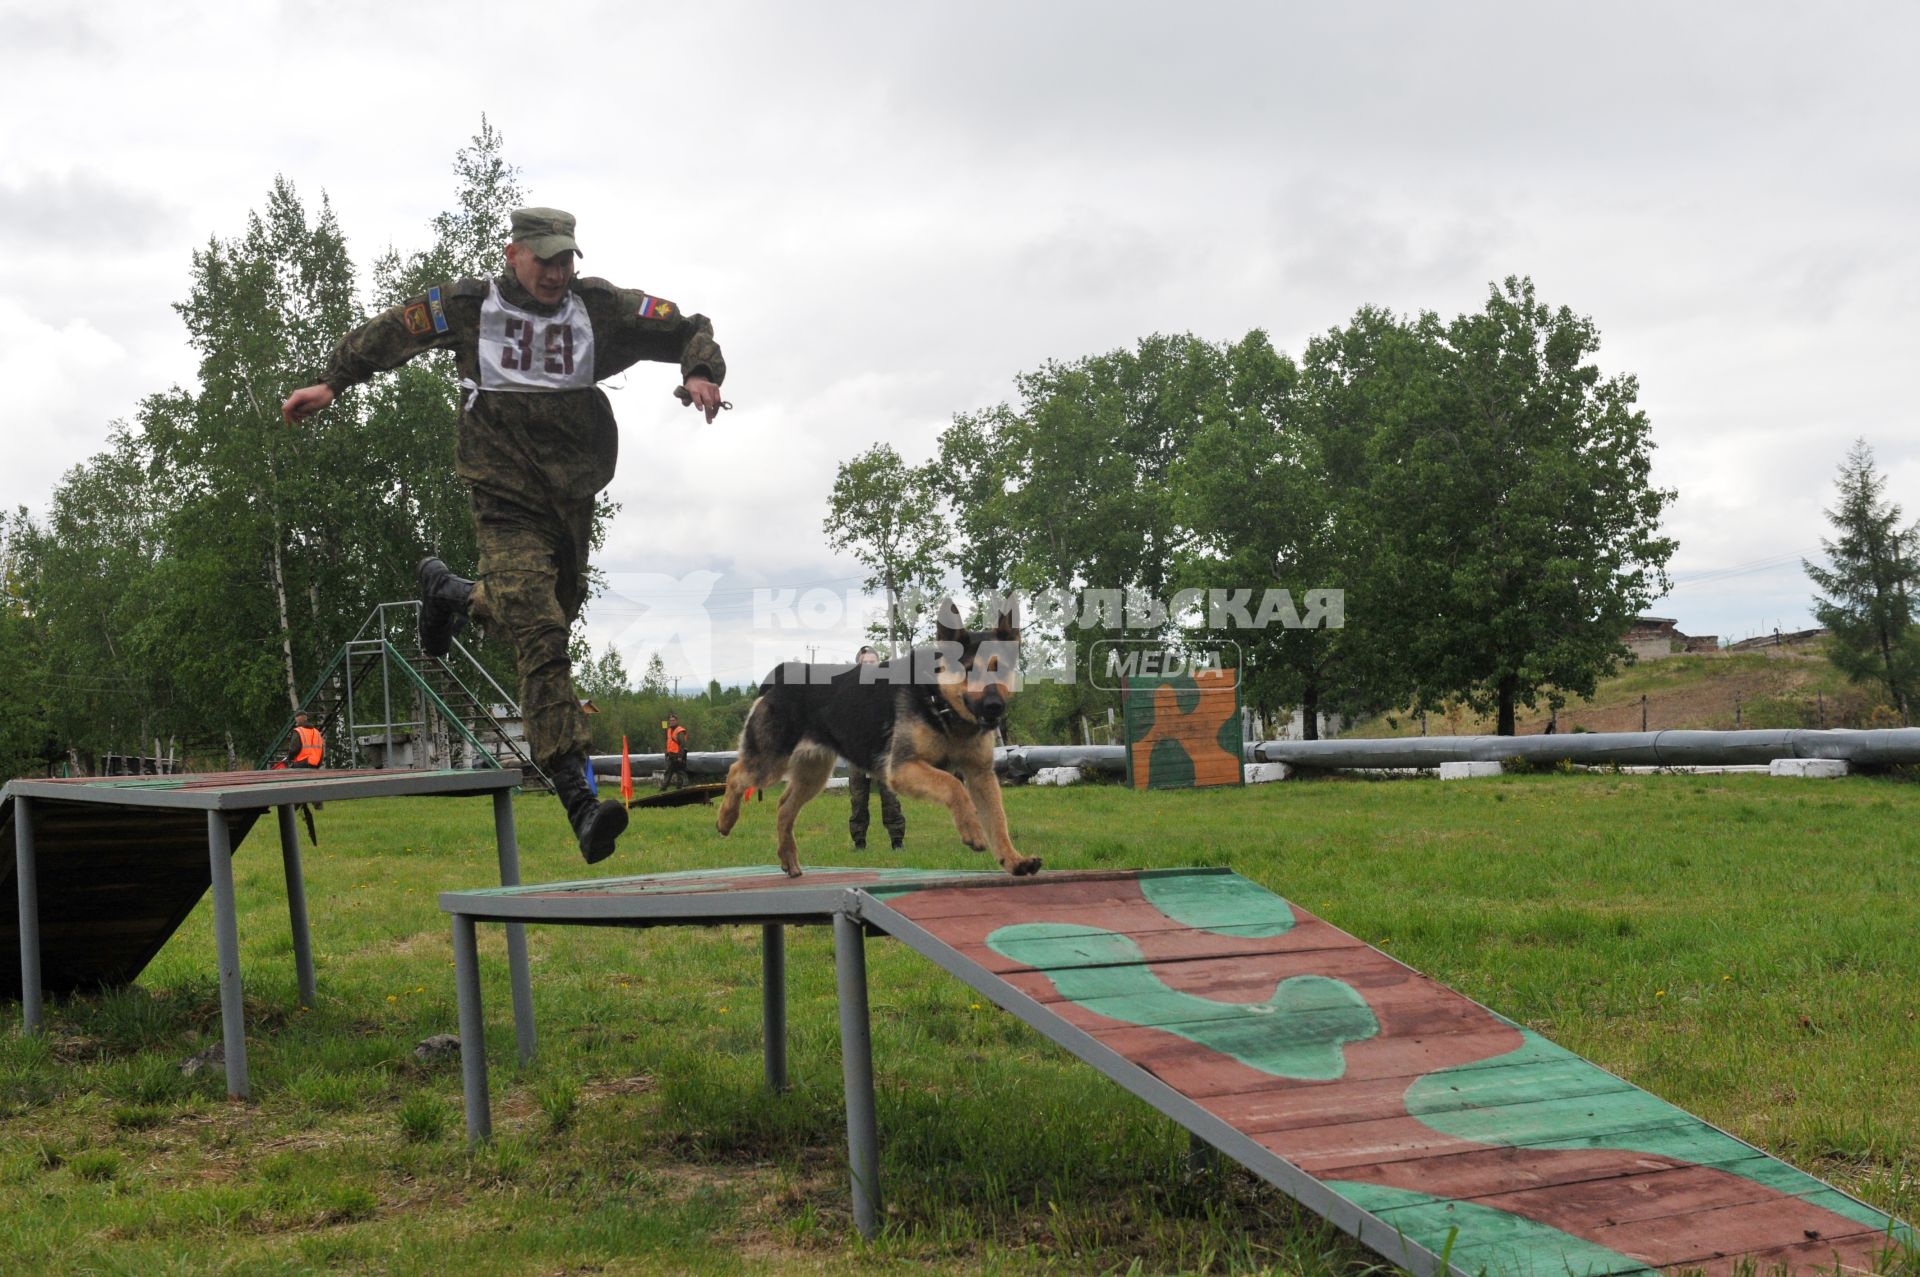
pixel 105 869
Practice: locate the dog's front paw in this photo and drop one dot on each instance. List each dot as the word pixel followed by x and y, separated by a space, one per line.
pixel 1025 866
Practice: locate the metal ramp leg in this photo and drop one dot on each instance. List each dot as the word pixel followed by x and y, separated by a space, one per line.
pixel 509 847
pixel 226 936
pixel 297 905
pixel 856 1065
pixel 773 1001
pixel 27 879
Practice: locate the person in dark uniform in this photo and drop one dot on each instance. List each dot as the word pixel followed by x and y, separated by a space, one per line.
pixel 859 783
pixel 537 442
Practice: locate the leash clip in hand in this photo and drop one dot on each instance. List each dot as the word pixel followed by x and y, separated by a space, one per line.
pixel 685 396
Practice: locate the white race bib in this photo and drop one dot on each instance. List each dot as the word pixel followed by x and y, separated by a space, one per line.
pixel 522 351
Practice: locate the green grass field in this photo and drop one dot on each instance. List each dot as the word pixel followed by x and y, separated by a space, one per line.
pixel 1742 946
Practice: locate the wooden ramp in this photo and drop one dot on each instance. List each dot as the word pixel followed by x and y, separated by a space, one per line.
pixel 1408 1115
pixel 115 881
pixel 1403 1111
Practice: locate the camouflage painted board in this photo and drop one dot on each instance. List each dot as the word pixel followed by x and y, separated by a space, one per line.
pixel 1183 730
pixel 1461 1131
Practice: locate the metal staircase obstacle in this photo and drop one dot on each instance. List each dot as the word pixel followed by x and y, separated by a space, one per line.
pixel 382 702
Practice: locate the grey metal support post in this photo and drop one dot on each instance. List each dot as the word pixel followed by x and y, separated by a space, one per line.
pixel 226 936
pixel 1202 1157
pixel 386 691
pixel 773 1001
pixel 473 1030
pixel 856 1066
pixel 508 844
pixel 27 879
pixel 297 905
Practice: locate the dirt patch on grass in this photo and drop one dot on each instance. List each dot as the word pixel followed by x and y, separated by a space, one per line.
pixel 640 1085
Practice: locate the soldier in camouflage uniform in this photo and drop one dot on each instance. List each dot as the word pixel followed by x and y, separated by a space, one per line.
pixel 537 442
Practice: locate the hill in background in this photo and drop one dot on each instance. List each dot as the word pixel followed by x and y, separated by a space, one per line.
pixel 1787 686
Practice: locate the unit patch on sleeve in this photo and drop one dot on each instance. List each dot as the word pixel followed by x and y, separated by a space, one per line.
pixel 439 312
pixel 418 322
pixel 655 308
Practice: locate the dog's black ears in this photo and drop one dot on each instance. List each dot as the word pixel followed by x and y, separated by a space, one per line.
pixel 1006 618
pixel 948 626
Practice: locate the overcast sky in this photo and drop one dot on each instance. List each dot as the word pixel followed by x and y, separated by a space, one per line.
pixel 890 209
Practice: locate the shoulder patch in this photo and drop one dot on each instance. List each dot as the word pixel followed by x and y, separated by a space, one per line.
pixel 657 308
pixel 417 320
pixel 438 311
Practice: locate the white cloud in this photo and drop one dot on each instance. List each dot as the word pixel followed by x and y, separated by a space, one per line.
pixel 889 211
pixel 45 368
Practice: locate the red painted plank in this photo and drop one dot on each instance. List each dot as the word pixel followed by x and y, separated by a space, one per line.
pixel 1859 1253
pixel 1048 895
pixel 1732 1232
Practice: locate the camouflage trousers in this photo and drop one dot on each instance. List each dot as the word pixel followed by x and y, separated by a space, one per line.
pixel 532 583
pixel 891 817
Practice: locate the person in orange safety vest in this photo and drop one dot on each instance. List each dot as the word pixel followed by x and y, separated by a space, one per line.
pixel 676 753
pixel 308 748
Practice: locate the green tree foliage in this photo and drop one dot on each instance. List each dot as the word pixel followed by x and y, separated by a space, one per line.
pixel 887 514
pixel 1072 488
pixel 86 576
pixel 1516 532
pixel 1868 588
pixel 713 719
pixel 416 408
pixel 261 530
pixel 193 577
pixel 1478 491
pixel 1270 491
pixel 602 679
pixel 24 727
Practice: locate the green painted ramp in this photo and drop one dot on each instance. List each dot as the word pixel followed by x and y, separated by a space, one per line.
pixel 1401 1110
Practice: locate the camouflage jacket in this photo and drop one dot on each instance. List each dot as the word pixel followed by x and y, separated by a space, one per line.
pixel 566 441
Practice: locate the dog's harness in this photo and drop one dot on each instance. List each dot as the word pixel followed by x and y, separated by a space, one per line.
pixel 940 709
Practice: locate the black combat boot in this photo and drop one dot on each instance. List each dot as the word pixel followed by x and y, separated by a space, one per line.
pixel 444 598
pixel 595 824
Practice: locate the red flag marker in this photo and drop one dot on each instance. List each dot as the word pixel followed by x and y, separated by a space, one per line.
pixel 626 772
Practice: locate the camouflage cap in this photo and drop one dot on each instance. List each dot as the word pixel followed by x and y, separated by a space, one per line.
pixel 547 231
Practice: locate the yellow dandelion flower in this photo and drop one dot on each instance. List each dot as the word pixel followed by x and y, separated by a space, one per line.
pixel 392 998
pixel 1659 993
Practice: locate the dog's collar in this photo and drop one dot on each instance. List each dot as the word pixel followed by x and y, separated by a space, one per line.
pixel 940 709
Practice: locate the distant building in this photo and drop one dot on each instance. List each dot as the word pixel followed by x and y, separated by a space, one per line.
pixel 1652 637
pixel 1797 638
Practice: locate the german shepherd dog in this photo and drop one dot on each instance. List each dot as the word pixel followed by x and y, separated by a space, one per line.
pixel 913 722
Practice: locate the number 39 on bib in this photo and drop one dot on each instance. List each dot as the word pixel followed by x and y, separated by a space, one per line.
pixel 520 350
